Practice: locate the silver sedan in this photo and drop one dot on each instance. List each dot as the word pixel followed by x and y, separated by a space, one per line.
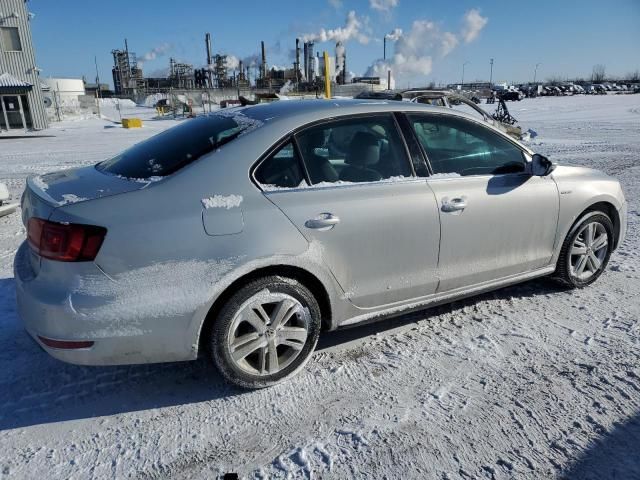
pixel 243 234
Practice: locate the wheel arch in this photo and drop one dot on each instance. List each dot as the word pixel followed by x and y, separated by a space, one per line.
pixel 611 211
pixel 308 279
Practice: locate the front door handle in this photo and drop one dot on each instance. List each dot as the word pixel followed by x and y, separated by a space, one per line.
pixel 324 221
pixel 454 205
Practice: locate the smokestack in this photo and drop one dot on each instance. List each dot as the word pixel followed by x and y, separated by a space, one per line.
pixel 297 65
pixel 384 53
pixel 344 67
pixel 340 63
pixel 306 62
pixel 312 72
pixel 207 40
pixel 264 61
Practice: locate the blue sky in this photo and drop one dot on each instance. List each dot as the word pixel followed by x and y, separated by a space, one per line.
pixel 566 37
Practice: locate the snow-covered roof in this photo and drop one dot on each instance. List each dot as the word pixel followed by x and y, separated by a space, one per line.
pixel 9 81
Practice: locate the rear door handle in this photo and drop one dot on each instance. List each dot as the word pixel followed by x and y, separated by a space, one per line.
pixel 324 221
pixel 454 205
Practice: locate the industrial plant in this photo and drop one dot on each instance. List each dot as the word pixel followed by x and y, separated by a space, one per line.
pixel 224 77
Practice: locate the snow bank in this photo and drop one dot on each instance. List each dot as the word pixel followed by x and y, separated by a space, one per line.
pixel 113 102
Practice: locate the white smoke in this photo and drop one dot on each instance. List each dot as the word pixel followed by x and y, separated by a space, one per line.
pixel 340 50
pixel 473 25
pixel 448 43
pixel 352 30
pixel 415 49
pixel 232 62
pixel 394 35
pixel 154 53
pixel 383 5
pixel 251 60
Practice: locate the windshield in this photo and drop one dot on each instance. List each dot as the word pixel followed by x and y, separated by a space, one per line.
pixel 167 152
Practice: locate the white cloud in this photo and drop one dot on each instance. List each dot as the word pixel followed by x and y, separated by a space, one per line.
pixel 352 30
pixel 383 5
pixel 337 4
pixel 473 25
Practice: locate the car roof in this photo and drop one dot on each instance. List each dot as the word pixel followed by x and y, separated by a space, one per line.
pixel 306 111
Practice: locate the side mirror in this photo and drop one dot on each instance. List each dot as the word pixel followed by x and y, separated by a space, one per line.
pixel 541 166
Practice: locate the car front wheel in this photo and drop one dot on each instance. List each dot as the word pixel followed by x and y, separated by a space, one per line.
pixel 586 251
pixel 266 332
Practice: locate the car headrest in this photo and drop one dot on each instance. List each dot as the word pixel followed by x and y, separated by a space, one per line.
pixel 311 139
pixel 364 150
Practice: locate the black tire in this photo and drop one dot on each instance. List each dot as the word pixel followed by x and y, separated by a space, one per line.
pixel 219 337
pixel 563 273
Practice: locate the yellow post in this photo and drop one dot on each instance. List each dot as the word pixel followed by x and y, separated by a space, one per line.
pixel 327 79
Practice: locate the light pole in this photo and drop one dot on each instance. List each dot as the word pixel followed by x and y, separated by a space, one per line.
pixel 491 74
pixel 535 72
pixel 462 83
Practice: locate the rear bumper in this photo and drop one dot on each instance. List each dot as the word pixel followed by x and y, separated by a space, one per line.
pixel 51 309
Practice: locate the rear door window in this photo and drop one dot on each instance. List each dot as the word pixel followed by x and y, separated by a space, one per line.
pixel 167 152
pixel 282 169
pixel 362 149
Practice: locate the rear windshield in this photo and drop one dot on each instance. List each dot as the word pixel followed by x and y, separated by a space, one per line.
pixel 169 151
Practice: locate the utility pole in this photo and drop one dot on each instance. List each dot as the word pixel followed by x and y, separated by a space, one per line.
pixel 491 74
pixel 462 83
pixel 327 79
pixel 535 72
pixel 384 51
pixel 98 93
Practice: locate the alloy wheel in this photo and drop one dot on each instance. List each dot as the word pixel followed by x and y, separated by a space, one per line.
pixel 268 333
pixel 589 250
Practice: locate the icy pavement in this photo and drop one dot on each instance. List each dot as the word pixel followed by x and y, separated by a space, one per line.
pixel 531 381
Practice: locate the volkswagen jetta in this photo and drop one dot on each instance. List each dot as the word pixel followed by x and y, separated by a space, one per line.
pixel 241 235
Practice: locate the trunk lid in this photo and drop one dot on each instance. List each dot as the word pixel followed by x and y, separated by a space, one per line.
pixel 43 194
pixel 76 185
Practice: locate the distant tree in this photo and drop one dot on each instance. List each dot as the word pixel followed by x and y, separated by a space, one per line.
pixel 598 73
pixel 555 79
pixel 634 76
pixel 431 85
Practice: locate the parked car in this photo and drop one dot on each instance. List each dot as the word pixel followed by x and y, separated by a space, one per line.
pixel 447 98
pixel 5 207
pixel 512 95
pixel 240 235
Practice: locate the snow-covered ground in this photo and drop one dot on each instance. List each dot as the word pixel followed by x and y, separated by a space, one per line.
pixel 531 381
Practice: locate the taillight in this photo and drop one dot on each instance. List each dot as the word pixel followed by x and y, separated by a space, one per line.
pixel 65 242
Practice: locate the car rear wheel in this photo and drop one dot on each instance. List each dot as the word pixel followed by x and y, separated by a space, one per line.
pixel 586 251
pixel 266 332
